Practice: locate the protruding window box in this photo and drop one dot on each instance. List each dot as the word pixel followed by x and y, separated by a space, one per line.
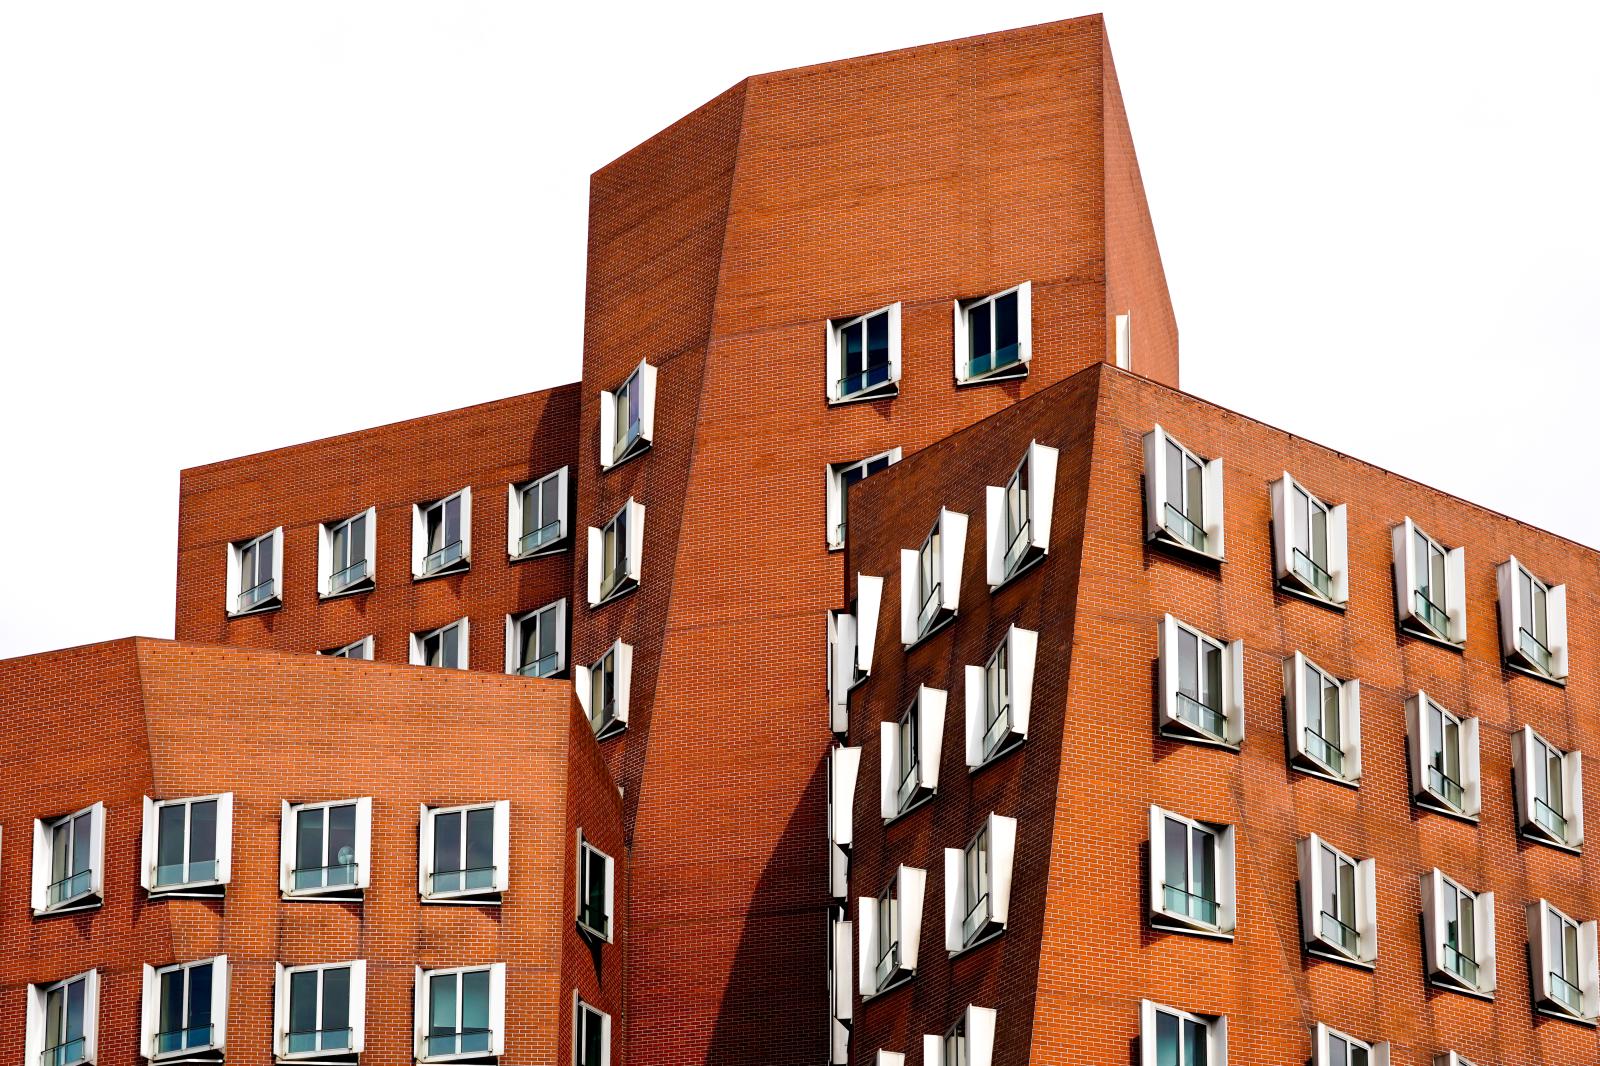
pixel 441 535
pixel 1018 515
pixel 930 579
pixel 1430 586
pixel 1533 623
pixel 1310 544
pixel 1183 497
pixel 994 336
pixel 864 356
pixel 537 517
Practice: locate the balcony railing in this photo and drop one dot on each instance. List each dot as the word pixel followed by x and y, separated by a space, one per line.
pixel 448 555
pixel 888 963
pixel 1312 574
pixel 1181 901
pixel 256 595
pixel 998 359
pixel 69 887
pixel 1324 751
pixel 1017 549
pixel 300 1041
pixel 342 875
pixel 1445 786
pixel 1184 528
pixel 65 1053
pixel 196 1036
pixel 351 575
pixel 592 915
pixel 976 920
pixel 614 579
pixel 908 785
pixel 548 533
pixel 1535 650
pixel 475 879
pixel 1549 818
pixel 1208 720
pixel 1432 615
pixel 1567 993
pixel 458 1041
pixel 1461 965
pixel 997 730
pixel 604 715
pixel 627 439
pixel 866 378
pixel 541 667
pixel 1339 933
pixel 929 610
pixel 177 873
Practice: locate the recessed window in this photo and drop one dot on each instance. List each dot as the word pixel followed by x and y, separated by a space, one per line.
pixel 852 638
pixel 187 845
pixel 255 573
pixel 1443 748
pixel 910 750
pixel 441 535
pixel 1018 515
pixel 1192 874
pixel 1549 790
pixel 970 1040
pixel 1562 953
pixel 461 1013
pixel 536 516
pixel 978 884
pixel 445 647
pixel 1533 622
pixel 1183 496
pixel 1458 931
pixel 321 1011
pixel 1324 720
pixel 1172 1037
pixel 994 336
pixel 1430 585
pixel 358 649
pixel 596 889
pixel 185 1010
pixel 591 1034
pixel 69 861
pixel 63 1021
pixel 840 477
pixel 465 853
pixel 536 641
pixel 844 766
pixel 347 553
pixel 1310 543
pixel 615 551
pixel 864 355
pixel 1338 903
pixel 603 688
pixel 327 849
pixel 930 578
pixel 628 417
pixel 1000 697
pixel 890 931
pixel 1202 687
pixel 1334 1048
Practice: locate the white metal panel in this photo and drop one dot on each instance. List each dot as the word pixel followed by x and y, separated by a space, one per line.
pixel 497 1008
pixel 219 1001
pixel 1155 478
pixel 502 845
pixel 147 846
pixel 225 837
pixel 1405 579
pixel 911 885
pixel 954 899
pixel 1158 859
pixel 974 706
pixel 953 553
pixel 994 512
pixel 1538 960
pixel 1042 462
pixel 1455 570
pixel 1339 552
pixel 1350 707
pixel 1283 531
pixel 1484 927
pixel 980 1025
pixel 1367 909
pixel 647 402
pixel 866 944
pixel 1024 652
pixel 1214 507
pixel 1294 690
pixel 419 540
pixel 1002 859
pixel 1167 669
pixel 1556 621
pixel 888 769
pixel 635 538
pixel 869 599
pixel 624 675
pixel 608 430
pixel 1433 906
pixel 424 849
pixel 846 764
pixel 895 358
pixel 324 560
pixel 1308 852
pixel 908 596
pixel 1472 786
pixel 843 1001
pixel 364 842
pixel 358 1005
pixel 932 704
pixel 149 1011
pixel 1234 682
pixel 1024 324
pixel 1522 762
pixel 595 551
pixel 286 849
pixel 1572 777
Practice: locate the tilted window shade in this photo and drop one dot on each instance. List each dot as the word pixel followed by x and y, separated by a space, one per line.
pixel 1310 542
pixel 1533 621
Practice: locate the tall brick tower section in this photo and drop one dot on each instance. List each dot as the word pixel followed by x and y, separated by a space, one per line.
pixel 719 251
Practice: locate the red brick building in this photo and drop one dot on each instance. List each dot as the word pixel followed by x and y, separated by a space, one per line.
pixel 1064 747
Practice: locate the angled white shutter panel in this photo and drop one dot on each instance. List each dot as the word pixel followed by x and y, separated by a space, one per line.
pixel 1350 700
pixel 954 901
pixel 911 885
pixel 962 360
pixel 994 514
pixel 890 1058
pixel 419 1012
pixel 1167 668
pixel 424 849
pixel 97 849
pixel 1124 341
pixel 324 560
pixel 1147 1034
pixel 834 371
pixel 647 402
pixel 888 769
pixel 149 1004
pixel 513 521
pixel 1155 479
pixel 1522 762
pixel 91 1015
pixel 908 596
pixel 511 644
pixel 1024 651
pixel 1484 927
pixel 147 846
pixel 1339 552
pixel 1294 691
pixel 358 1005
pixel 846 768
pixel 1367 909
pixel 1538 960
pixel 1024 332
pixel 219 1001
pixel 465 661
pixel 1227 877
pixel 1233 674
pixel 561 634
pixel 932 1050
pixel 363 842
pixel 502 845
pixel 1589 969
pixel 611 899
pixel 286 849
pixel 953 552
pixel 866 944
pixel 869 598
pixel 1158 859
pixel 1572 778
pixel 1455 569
pixel 564 501
pixel 894 343
pixel 1510 606
pixel 1308 852
pixel 370 527
pixel 1283 531
pixel 497 1008
pixel 232 583
pixel 419 540
pixel 608 430
pixel 595 551
pixel 41 865
pixel 1556 612
pixel 582 682
pixel 931 706
pixel 635 538
pixel 843 1001
pixel 277 562
pixel 1405 578
pixel 1211 476
pixel 280 1008
pixel 835 505
pixel 1433 907
pixel 1417 742
pixel 841 668
pixel 1380 1053
pixel 1472 787
pixel 1002 858
pixel 624 689
pixel 1042 460
pixel 977 696
pixel 980 1036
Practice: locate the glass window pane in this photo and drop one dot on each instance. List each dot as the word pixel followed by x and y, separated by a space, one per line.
pixel 199 1014
pixel 447 842
pixel 475 1000
pixel 450 648
pixel 1211 693
pixel 308 839
pixel 342 834
pixel 878 340
pixel 1005 322
pixel 170 823
pixel 442 1003
pixel 82 834
pixel 1177 854
pixel 303 1001
pixel 980 336
pixel 202 836
pixel 171 1006
pixel 336 998
pixel 1188 664
pixel 480 838
pixel 1167 1051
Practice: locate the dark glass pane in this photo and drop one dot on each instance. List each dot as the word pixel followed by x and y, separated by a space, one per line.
pixel 199 997
pixel 336 998
pixel 447 843
pixel 450 647
pixel 475 999
pixel 442 1003
pixel 1005 321
pixel 308 839
pixel 342 835
pixel 850 344
pixel 981 338
pixel 1167 1051
pixel 356 549
pixel 303 1001
pixel 81 836
pixel 878 340
pixel 171 1007
pixel 75 1021
pixel 1211 695
pixel 452 520
pixel 1177 851
pixel 480 838
pixel 203 833
pixel 1188 664
pixel 169 837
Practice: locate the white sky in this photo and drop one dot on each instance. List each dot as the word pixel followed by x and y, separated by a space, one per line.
pixel 1379 223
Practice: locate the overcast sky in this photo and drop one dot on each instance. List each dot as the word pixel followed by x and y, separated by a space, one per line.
pixel 226 227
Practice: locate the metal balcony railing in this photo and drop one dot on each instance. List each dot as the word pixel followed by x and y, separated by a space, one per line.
pixel 448 555
pixel 1208 720
pixel 69 888
pixel 1432 615
pixel 178 873
pixel 998 359
pixel 929 610
pixel 907 790
pixel 341 875
pixel 1460 964
pixel 1549 818
pixel 1445 786
pixel 1179 900
pixel 474 879
pixel 300 1041
pixel 888 963
pixel 1339 933
pixel 997 730
pixel 867 377
pixel 1324 750
pixel 351 575
pixel 1312 573
pixel 65 1053
pixel 1184 528
pixel 196 1036
pixel 462 1041
pixel 1567 993
pixel 542 667
pixel 1017 549
pixel 256 595
pixel 548 533
pixel 1534 649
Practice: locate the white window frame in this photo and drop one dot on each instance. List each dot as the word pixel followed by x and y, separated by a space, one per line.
pixel 354 583
pixel 553 614
pixel 1297 571
pixel 1520 645
pixel 1430 786
pixel 1310 750
pixel 974 1030
pixel 909 750
pixel 357 1011
pixel 852 638
pixel 615 452
pixel 497 1011
pixel 515 506
pixel 844 768
pixel 1017 368
pixel 907 890
pixel 1216 1028
pixel 361 859
pixel 420 570
pixel 93 892
pixel 837 493
pixel 1546 999
pixel 1203 538
pixel 1377 1054
pixel 969 922
pixel 607 934
pixel 992 732
pixel 582 1010
pixel 1017 515
pixel 1166 917
pixel 150 1010
pixel 420 638
pixel 890 386
pixel 500 852
pixel 1442 896
pixel 1364 952
pixel 1418 613
pixel 605 587
pixel 269 599
pixel 583 679
pixel 924 611
pixel 1173 722
pixel 1536 818
pixel 151 839
pixel 38 999
pixel 363 646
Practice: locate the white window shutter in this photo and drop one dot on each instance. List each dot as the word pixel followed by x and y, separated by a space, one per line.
pixel 888 769
pixel 1308 851
pixel 513 521
pixel 1484 931
pixel 415 655
pixel 1380 1053
pixel 1510 606
pixel 1042 462
pixel 980 1024
pixel 1211 477
pixel 286 849
pixel 1417 742
pixel 465 626
pixel 41 865
pixel 1589 969
pixel 224 838
pixel 577 855
pixel 834 372
pixel 932 704
pixel 1556 621
pixel 358 1005
pixel 908 596
pixel 324 560
pixel 846 767
pixel 370 527
pixel 147 846
pixel 635 538
pixel 975 704
pixel 1283 531
pixel 1024 651
pixel 1002 858
pixel 1227 878
pixel 835 505
pixel 219 1001
pixel 33 1042
pixel 497 1008
pixel 841 669
pixel 1155 479
pixel 890 1058
pixel 1538 961
pixel 1572 779
pixel 843 1001
pixel 1455 570
pixel 511 643
pixel 596 549
pixel 424 850
pixel 502 845
pixel 838 871
pixel 1147 1034
pixel 277 562
pixel 1433 906
pixel 280 1009
pixel 1472 787
pixel 869 600
pixel 419 540
pixel 647 402
pixel 1294 691
pixel 910 886
pixel 608 430
pixel 894 343
pixel 959 349
pixel 564 501
pixel 1124 341
pixel 1158 859
pixel 582 682
pixel 1219 1032
pixel 466 523
pixel 624 675
pixel 953 552
pixel 1405 578
pixel 1233 679
pixel 1350 708
pixel 1319 1044
pixel 1339 552
pixel 1167 669
pixel 97 849
pixel 149 1007
pixel 932 1050
pixel 1367 909
pixel 419 1013
pixel 866 944
pixel 91 1014
pixel 1024 324
pixel 954 899
pixel 994 513
pixel 1522 761
pixel 363 842
pixel 233 588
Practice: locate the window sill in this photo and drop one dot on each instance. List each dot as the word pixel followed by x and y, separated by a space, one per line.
pixel 482 899
pixel 611 729
pixel 987 938
pixel 557 547
pixel 1013 743
pixel 328 896
pixel 1422 631
pixel 189 890
pixel 937 627
pixel 1447 984
pixel 887 391
pixel 1015 372
pixel 614 595
pixel 75 907
pixel 1304 764
pixel 1524 670
pixel 1427 801
pixel 275 604
pixel 1162 922
pixel 1563 1016
pixel 921 801
pixel 592 934
pixel 1035 557
pixel 445 571
pixel 1184 737
pixel 1167 542
pixel 1532 838
pixel 1286 587
pixel 354 590
pixel 636 449
pixel 900 980
pixel 1332 954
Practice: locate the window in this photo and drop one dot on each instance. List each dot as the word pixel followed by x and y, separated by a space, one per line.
pixel 536 641
pixel 977 884
pixel 444 647
pixel 185 1010
pixel 840 1003
pixel 628 417
pixel 615 551
pixel 864 355
pixel 1338 903
pixel 461 1013
pixel 347 553
pixel 321 1011
pixel 360 649
pixel 327 849
pixel 1191 874
pixel 909 750
pixel 596 890
pixel 1324 720
pixel 969 1042
pixel 890 931
pixel 1430 586
pixel 1549 790
pixel 591 1034
pixel 1533 622
pixel 255 573
pixel 1000 696
pixel 994 336
pixel 1443 748
pixel 464 854
pixel 63 1021
pixel 1334 1048
pixel 844 766
pixel 840 477
pixel 603 689
pixel 1171 1037
pixel 1562 954
pixel 1458 932
pixel 187 845
pixel 1183 496
pixel 1310 543
pixel 1018 515
pixel 69 861
pixel 536 516
pixel 930 578
pixel 1202 685
pixel 441 535
pixel 852 637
